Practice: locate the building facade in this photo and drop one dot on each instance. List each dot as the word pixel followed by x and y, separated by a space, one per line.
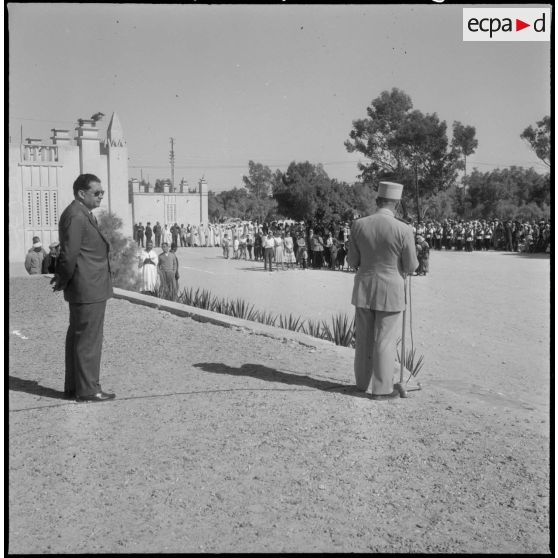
pixel 169 207
pixel 41 175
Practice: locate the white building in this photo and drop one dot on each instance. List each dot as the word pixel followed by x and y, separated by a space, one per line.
pixel 41 175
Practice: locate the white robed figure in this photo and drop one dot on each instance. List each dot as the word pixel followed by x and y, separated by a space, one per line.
pixel 148 262
pixel 217 235
pixel 167 235
pixel 195 236
pixel 211 236
pixel 201 232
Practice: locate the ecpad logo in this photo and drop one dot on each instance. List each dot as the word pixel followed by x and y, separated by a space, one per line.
pixel 506 24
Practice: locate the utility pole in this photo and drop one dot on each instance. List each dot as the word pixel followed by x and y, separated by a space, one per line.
pixel 172 163
pixel 417 193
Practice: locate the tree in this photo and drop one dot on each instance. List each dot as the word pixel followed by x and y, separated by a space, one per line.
pixel 215 208
pixel 464 142
pixel 302 191
pixel 259 181
pixel 404 145
pixel 539 139
pixel 375 136
pixel 508 193
pixel 123 252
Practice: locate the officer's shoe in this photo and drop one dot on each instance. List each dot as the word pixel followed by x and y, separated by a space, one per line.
pixel 381 397
pixel 96 397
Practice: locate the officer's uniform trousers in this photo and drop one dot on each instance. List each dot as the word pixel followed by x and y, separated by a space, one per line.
pixel 376 345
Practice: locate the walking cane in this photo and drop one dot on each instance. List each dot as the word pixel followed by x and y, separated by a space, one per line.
pixel 399 386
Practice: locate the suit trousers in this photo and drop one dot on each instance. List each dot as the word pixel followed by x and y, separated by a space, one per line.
pixel 84 342
pixel 376 334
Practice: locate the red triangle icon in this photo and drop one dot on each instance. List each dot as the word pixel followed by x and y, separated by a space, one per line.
pixel 519 25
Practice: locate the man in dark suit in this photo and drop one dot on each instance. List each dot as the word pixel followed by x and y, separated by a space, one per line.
pixel 83 273
pixel 382 249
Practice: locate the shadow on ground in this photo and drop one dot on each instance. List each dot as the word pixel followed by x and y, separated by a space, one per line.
pixel 33 387
pixel 273 375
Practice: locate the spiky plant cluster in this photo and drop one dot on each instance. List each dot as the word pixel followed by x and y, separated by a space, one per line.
pixel 340 331
pixel 411 362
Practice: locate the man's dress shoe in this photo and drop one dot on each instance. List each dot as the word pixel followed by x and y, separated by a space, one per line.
pixel 101 396
pixel 381 397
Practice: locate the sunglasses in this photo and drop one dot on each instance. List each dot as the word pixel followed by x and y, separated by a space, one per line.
pixel 96 193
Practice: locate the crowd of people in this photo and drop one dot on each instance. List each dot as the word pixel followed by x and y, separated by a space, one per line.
pixel 289 244
pixel 479 235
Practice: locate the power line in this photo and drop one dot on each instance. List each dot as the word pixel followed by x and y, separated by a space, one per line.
pixel 42 120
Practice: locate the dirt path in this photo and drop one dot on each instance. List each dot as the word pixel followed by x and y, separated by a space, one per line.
pixel 222 441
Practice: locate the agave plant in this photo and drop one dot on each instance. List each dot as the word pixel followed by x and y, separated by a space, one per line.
pixel 411 362
pixel 290 322
pixel 312 328
pixel 343 330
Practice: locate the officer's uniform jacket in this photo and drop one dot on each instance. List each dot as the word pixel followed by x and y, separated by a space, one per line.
pixel 383 250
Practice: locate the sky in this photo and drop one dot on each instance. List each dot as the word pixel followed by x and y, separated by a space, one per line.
pixel 272 83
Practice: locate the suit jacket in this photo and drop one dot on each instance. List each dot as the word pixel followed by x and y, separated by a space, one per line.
pixel 83 265
pixel 383 250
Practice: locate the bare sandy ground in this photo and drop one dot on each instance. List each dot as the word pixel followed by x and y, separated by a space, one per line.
pixel 222 441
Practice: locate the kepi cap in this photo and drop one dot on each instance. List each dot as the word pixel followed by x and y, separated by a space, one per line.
pixel 390 190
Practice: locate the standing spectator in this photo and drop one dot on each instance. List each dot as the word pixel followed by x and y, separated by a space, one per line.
pixel 317 250
pixel 83 273
pixel 258 249
pixel 168 269
pixel 157 232
pixel 508 235
pixel 250 243
pixel 479 237
pixel 148 233
pixel 49 261
pixel 175 233
pixel 226 246
pixel 468 238
pixel 423 255
pixel 236 243
pixel 288 246
pixel 201 233
pixel 242 247
pixel 34 259
pixel 302 252
pixel 382 249
pixel 278 241
pixel 333 254
pixel 327 249
pixel 148 262
pixel 166 235
pixel 140 233
pixel 269 247
pixel 310 245
pixel 516 233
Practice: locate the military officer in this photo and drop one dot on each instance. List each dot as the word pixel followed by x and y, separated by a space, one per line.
pixel 382 249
